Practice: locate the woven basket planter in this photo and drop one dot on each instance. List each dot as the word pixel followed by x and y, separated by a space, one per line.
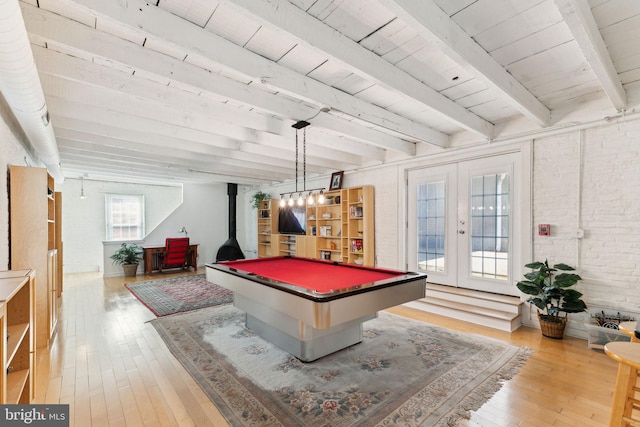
pixel 130 270
pixel 552 329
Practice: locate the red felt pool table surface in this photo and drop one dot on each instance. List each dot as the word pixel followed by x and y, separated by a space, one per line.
pixel 316 275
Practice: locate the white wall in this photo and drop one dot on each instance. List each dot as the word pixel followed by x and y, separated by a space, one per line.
pixel 83 220
pixel 201 209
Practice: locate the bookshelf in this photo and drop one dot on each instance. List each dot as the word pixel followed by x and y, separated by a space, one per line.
pixel 35 234
pixel 17 381
pixel 267 217
pixel 340 230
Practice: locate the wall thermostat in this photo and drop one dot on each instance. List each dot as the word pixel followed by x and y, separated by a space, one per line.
pixel 544 229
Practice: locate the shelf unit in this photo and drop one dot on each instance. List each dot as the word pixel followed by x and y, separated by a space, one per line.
pixel 267 228
pixel 35 236
pixel 358 244
pixel 328 225
pixel 18 373
pixel 340 230
pixel 287 244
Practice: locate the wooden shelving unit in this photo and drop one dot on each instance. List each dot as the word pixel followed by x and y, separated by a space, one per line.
pixel 18 376
pixel 267 228
pixel 36 238
pixel 287 244
pixel 358 246
pixel 341 229
pixel 329 227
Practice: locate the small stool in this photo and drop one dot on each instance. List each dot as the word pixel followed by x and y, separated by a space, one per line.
pixel 624 396
pixel 629 328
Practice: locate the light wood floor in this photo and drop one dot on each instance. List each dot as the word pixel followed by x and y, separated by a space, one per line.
pixel 113 369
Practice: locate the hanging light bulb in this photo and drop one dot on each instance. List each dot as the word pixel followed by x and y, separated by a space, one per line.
pixel 82 196
pixel 282 203
pixel 310 198
pixel 321 198
pixel 300 199
pixel 290 200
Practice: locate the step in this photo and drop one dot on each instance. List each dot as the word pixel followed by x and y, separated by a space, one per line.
pixel 506 303
pixel 500 312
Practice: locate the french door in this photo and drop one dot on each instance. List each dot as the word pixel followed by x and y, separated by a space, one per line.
pixel 464 227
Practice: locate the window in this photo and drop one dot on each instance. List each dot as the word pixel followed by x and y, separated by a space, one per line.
pixel 124 216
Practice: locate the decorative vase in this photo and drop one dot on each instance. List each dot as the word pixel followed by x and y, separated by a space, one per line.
pixel 130 270
pixel 550 328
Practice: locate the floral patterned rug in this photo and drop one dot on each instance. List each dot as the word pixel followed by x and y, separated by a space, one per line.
pixel 179 294
pixel 404 372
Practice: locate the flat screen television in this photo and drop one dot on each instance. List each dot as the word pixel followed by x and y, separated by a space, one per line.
pixel 292 219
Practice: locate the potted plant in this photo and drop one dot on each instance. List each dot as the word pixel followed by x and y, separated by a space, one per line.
pixel 257 199
pixel 129 257
pixel 552 294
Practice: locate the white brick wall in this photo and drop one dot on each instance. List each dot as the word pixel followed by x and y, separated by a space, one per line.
pixel 603 199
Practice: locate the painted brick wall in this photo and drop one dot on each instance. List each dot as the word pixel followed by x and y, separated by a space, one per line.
pixel 595 187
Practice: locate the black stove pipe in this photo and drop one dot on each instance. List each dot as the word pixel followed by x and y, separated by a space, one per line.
pixel 230 250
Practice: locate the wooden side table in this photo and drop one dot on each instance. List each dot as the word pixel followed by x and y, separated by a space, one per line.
pixel 624 396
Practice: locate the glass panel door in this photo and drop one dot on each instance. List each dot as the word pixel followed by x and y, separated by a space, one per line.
pixel 462 219
pixel 431 200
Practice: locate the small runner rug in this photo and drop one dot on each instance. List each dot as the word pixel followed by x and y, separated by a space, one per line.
pixel 404 372
pixel 179 294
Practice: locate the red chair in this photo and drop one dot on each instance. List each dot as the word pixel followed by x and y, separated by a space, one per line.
pixel 175 253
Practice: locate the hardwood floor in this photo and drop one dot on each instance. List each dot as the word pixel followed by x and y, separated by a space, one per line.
pixel 113 369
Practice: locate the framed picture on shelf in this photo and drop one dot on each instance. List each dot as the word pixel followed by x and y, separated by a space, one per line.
pixel 336 181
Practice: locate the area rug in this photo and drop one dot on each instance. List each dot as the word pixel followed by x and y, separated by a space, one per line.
pixel 179 294
pixel 404 372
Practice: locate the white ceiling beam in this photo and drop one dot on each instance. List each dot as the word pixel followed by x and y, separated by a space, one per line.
pixel 82 149
pixel 104 99
pixel 115 126
pixel 189 150
pixel 183 35
pixel 116 172
pixel 433 24
pixel 91 74
pixel 283 16
pixel 578 17
pixel 94 147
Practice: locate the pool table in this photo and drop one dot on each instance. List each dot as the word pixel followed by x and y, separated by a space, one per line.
pixel 308 307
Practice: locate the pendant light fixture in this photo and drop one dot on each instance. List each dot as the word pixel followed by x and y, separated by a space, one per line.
pixel 302 195
pixel 82 196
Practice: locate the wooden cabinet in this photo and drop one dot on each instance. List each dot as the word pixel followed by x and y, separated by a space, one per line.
pixel 35 234
pixel 341 229
pixel 17 379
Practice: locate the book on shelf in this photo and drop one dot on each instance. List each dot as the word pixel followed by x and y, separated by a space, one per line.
pixel 356 245
pixel 355 212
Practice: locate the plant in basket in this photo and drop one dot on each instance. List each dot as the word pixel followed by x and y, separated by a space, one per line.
pixel 552 294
